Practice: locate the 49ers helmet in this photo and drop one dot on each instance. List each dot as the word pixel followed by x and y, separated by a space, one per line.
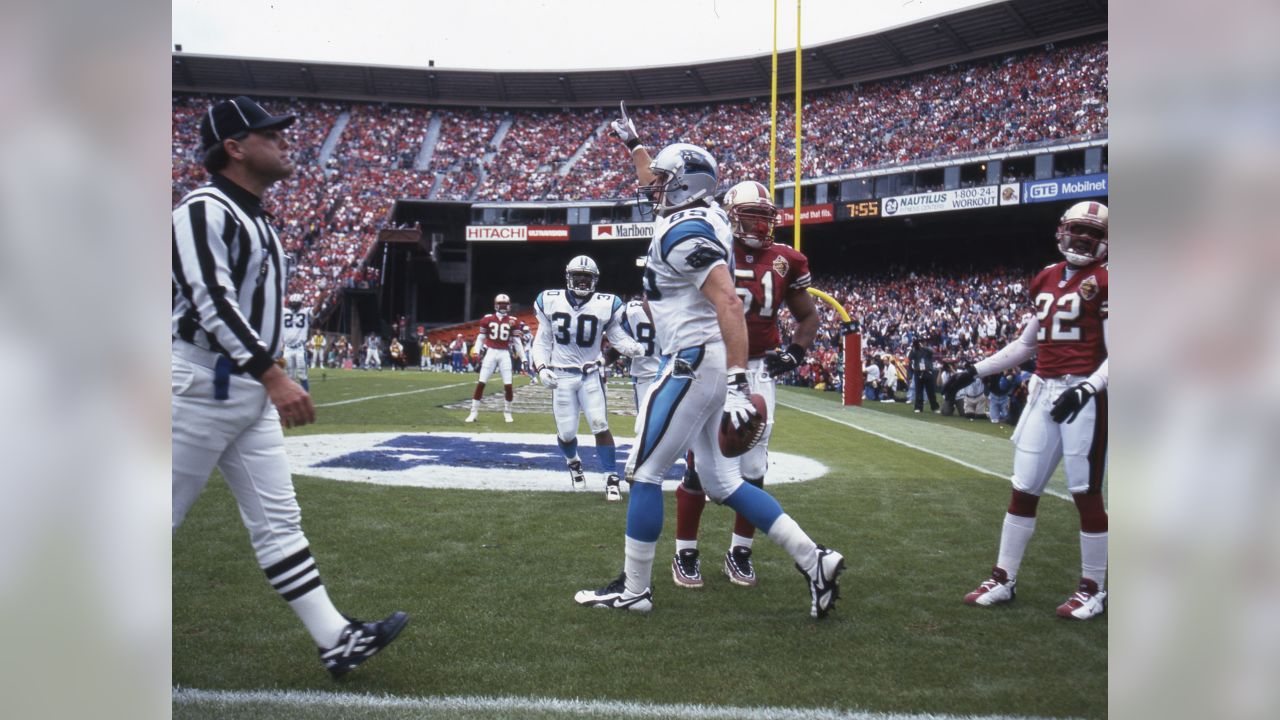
pixel 581 275
pixel 1082 233
pixel 752 214
pixel 502 303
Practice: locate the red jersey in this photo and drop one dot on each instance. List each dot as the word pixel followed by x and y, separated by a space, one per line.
pixel 497 331
pixel 763 279
pixel 1070 314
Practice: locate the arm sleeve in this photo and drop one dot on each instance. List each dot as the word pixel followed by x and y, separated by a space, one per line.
pixel 201 229
pixel 1013 354
pixel 541 349
pixel 617 335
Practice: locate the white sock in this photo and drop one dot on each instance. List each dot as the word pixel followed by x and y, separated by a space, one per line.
pixel 739 541
pixel 1013 542
pixel 686 544
pixel 506 406
pixel 639 564
pixel 1093 557
pixel 788 534
pixel 475 406
pixel 322 619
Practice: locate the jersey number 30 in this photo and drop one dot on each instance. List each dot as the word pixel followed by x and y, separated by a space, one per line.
pixel 588 325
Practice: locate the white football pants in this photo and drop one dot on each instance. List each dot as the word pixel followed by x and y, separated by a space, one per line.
pixel 496 360
pixel 574 393
pixel 1039 442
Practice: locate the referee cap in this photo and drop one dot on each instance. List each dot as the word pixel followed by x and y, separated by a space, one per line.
pixel 235 117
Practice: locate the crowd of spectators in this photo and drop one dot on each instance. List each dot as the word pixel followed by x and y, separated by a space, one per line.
pixel 329 212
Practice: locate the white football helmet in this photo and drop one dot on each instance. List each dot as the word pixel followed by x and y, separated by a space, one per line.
pixel 684 174
pixel 1082 233
pixel 581 275
pixel 752 214
pixel 502 304
pixel 295 301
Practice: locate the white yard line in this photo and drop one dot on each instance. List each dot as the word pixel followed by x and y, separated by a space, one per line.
pixel 615 708
pixel 913 446
pixel 396 394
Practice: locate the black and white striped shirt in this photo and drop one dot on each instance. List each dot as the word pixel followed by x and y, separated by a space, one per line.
pixel 228 275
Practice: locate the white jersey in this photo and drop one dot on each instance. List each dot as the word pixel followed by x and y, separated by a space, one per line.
pixel 297 327
pixel 637 324
pixel 686 246
pixel 570 330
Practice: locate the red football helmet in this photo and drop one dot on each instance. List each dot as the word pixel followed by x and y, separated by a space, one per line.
pixel 1082 233
pixel 502 303
pixel 752 214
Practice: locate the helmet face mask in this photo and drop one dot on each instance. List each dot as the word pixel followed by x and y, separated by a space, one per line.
pixel 295 302
pixel 502 304
pixel 581 276
pixel 1082 233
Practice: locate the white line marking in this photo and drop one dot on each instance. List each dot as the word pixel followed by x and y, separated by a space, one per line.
pixel 397 394
pixel 944 456
pixel 615 708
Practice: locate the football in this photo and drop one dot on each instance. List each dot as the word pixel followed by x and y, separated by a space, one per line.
pixel 735 442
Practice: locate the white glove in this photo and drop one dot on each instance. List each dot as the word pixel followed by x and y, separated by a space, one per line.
pixel 737 404
pixel 547 378
pixel 624 129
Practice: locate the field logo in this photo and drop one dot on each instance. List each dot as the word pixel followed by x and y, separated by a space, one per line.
pixel 492 461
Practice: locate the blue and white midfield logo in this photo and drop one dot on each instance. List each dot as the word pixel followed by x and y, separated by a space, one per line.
pixel 495 461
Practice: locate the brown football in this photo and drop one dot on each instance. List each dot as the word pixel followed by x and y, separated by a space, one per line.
pixel 736 442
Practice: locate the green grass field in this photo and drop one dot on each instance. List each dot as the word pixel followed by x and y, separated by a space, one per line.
pixel 488 579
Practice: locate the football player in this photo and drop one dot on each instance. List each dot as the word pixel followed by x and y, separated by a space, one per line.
pixel 567 357
pixel 766 276
pixel 297 321
pixel 637 323
pixel 702 380
pixel 1066 413
pixel 498 332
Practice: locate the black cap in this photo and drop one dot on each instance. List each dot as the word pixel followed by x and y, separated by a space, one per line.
pixel 229 118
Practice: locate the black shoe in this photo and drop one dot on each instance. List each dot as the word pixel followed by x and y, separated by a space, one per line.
pixel 824 589
pixel 737 565
pixel 360 641
pixel 686 570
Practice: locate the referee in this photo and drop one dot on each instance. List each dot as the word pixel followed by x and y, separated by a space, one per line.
pixel 229 395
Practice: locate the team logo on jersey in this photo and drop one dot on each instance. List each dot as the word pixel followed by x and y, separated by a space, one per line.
pixel 703 255
pixel 495 461
pixel 1089 288
pixel 781 266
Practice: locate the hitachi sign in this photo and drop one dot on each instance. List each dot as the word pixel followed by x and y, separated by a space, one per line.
pixel 497 232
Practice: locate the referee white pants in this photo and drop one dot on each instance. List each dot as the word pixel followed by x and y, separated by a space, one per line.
pixel 577 392
pixel 496 360
pixel 240 435
pixel 682 412
pixel 1039 442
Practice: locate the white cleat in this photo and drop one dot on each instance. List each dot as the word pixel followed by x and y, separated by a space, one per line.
pixel 615 596
pixel 576 476
pixel 507 417
pixel 994 590
pixel 824 589
pixel 612 489
pixel 471 417
pixel 1086 602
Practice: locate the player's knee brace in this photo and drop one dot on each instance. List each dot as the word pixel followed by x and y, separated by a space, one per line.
pixel 1093 514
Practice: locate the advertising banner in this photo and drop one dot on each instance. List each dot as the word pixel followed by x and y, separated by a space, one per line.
pixel 941 201
pixel 548 233
pixel 1065 188
pixel 1009 194
pixel 810 214
pixel 497 233
pixel 622 231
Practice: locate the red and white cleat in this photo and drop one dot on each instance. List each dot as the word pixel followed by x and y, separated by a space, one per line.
pixel 994 590
pixel 1086 602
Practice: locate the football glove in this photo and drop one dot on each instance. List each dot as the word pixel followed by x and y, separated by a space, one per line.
pixel 1071 402
pixel 624 129
pixel 959 381
pixel 547 378
pixel 782 361
pixel 737 404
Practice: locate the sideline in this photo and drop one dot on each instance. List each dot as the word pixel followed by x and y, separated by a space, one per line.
pixel 575 707
pixel 395 394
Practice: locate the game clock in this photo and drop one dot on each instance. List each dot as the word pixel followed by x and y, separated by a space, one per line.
pixel 863 209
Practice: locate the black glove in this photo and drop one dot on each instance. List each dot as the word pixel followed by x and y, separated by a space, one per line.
pixel 782 361
pixel 959 381
pixel 611 355
pixel 1071 402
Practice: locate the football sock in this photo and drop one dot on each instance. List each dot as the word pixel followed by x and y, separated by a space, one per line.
pixel 638 566
pixel 689 507
pixel 608 457
pixel 506 407
pixel 475 396
pixel 686 544
pixel 1093 557
pixel 743 540
pixel 1014 537
pixel 306 385
pixel 788 534
pixel 644 512
pixel 475 406
pixel 568 449
pixel 756 505
pixel 742 527
pixel 506 393
pixel 297 580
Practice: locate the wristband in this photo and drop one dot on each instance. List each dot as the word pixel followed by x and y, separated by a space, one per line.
pixel 634 144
